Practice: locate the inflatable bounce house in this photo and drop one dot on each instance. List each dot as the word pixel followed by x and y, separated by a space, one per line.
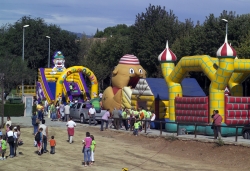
pixel 152 93
pixel 68 84
pixel 226 73
pixel 125 77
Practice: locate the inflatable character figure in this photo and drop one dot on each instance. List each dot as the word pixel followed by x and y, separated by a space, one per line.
pixel 58 63
pixel 125 75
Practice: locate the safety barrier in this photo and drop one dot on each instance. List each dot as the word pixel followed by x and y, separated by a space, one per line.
pixel 183 123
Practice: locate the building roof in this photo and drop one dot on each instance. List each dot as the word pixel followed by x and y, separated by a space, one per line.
pixel 159 88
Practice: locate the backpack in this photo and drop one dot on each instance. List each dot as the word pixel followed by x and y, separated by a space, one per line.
pixel 37 137
pixel 37 121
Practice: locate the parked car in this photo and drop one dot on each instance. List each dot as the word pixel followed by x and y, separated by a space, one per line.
pixel 246 131
pixel 79 111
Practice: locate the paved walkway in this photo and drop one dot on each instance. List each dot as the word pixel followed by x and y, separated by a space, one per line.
pixel 26 122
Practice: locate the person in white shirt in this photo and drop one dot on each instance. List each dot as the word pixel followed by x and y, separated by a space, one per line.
pixel 11 141
pixel 92 113
pixel 152 119
pixel 66 112
pixel 61 109
pixel 45 135
pixel 46 105
pixel 71 129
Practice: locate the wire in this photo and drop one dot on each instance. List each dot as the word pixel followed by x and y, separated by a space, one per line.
pixel 149 158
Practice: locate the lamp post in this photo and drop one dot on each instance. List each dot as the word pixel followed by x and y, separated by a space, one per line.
pixel 23 56
pixel 49 52
pixel 2 87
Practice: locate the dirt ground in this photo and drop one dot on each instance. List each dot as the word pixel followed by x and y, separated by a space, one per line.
pixel 116 150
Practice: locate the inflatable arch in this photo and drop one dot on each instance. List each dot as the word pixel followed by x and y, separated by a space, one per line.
pixel 77 69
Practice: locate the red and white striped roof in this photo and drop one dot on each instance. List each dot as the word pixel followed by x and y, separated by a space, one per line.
pixel 129 59
pixel 167 55
pixel 226 50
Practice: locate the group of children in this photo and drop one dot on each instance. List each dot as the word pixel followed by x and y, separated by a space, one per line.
pixel 12 137
pixel 132 118
pixel 89 146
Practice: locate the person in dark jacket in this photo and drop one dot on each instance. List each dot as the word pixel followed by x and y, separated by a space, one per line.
pixel 35 125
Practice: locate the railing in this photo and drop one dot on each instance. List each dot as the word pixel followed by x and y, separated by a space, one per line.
pixel 27 89
pixel 182 123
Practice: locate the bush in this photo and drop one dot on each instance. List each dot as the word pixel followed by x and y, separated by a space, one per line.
pixel 13 109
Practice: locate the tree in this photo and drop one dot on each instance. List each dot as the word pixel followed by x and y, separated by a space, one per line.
pixel 243 51
pixel 149 35
pixel 15 70
pixel 102 57
pixel 36 44
pixel 120 29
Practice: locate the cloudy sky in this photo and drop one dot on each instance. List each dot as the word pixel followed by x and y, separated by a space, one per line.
pixel 88 15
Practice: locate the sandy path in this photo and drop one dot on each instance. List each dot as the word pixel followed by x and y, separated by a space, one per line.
pixel 114 151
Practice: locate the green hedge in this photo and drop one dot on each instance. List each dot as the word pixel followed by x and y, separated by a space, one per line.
pixel 13 109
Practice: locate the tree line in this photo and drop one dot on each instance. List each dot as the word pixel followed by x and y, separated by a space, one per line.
pixel 146 39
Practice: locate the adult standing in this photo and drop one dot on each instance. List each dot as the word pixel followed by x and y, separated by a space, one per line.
pixel 46 105
pixel 11 141
pixel 53 111
pixel 61 108
pixel 217 119
pixel 124 119
pixel 8 122
pixel 92 113
pixel 116 117
pixel 105 118
pixel 34 123
pixel 152 119
pixel 71 129
pixel 87 143
pixel 66 112
pixel 45 135
pixel 40 109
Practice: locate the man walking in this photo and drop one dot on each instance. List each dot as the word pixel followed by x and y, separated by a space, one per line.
pixel 105 118
pixel 116 117
pixel 92 113
pixel 45 135
pixel 71 129
pixel 66 112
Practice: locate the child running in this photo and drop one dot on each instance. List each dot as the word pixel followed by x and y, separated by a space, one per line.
pixel 137 125
pixel 4 147
pixel 52 142
pixel 92 147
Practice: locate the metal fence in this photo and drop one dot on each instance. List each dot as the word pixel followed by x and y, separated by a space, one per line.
pixel 183 123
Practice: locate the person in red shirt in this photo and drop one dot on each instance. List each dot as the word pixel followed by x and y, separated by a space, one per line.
pixel 52 142
pixel 217 119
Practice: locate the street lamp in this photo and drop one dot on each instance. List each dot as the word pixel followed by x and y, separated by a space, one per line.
pixel 2 87
pixel 49 52
pixel 226 23
pixel 23 56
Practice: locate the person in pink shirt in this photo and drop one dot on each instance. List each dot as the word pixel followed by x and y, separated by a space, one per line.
pixel 105 118
pixel 217 119
pixel 87 152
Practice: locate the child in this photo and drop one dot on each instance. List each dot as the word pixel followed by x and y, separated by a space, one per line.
pixel 92 147
pixel 137 125
pixel 3 146
pixel 39 140
pixel 52 142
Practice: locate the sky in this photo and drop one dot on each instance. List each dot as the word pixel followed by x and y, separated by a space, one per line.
pixel 85 16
